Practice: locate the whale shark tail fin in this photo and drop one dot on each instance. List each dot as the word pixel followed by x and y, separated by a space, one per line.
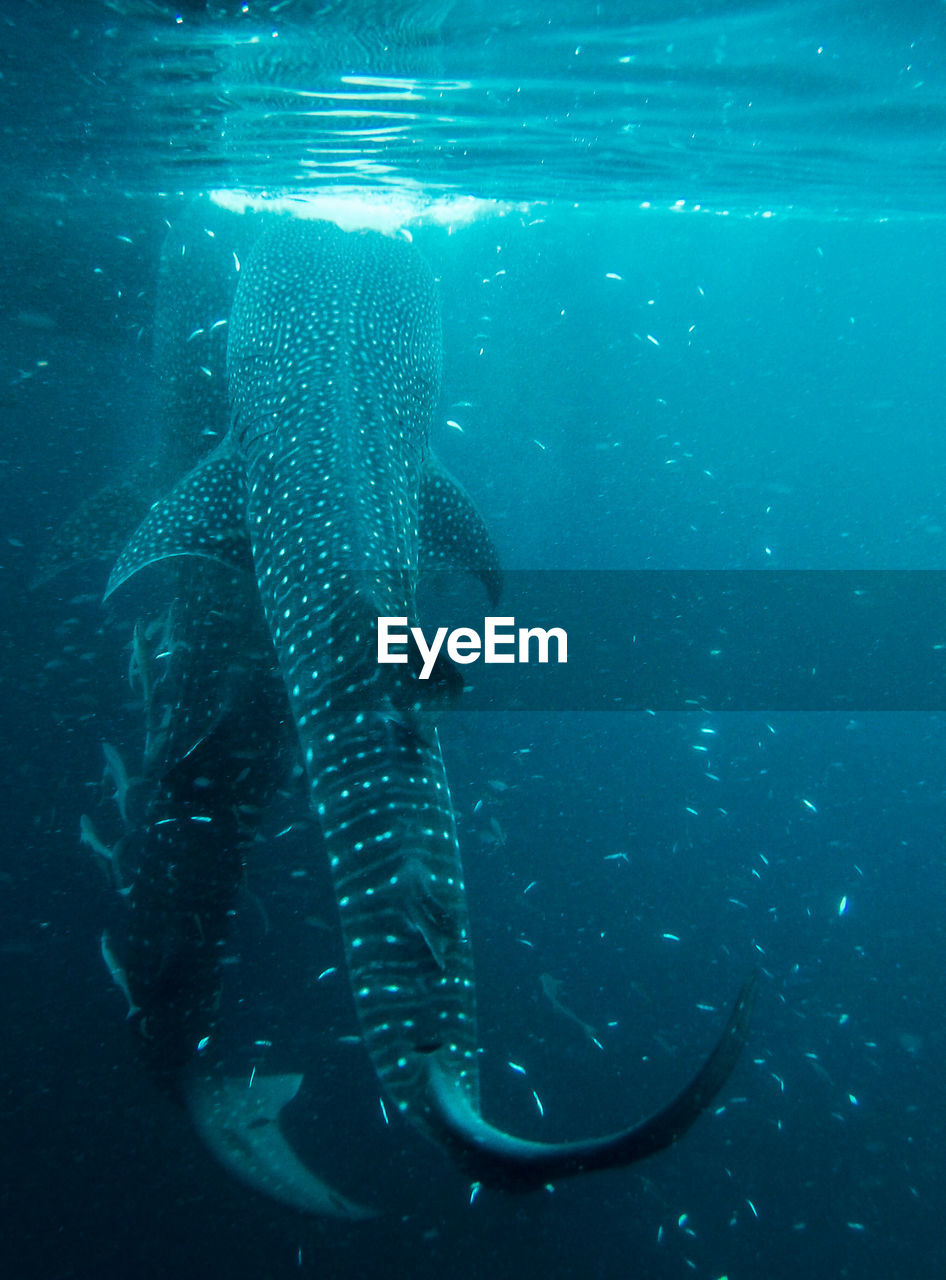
pixel 498 1159
pixel 239 1125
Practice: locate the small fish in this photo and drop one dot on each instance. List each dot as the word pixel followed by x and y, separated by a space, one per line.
pixel 138 672
pixel 115 768
pixel 117 975
pixel 109 856
pixel 550 989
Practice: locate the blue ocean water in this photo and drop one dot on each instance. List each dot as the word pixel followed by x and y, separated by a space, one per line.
pixel 694 321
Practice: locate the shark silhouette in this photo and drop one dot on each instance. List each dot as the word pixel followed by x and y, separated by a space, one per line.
pixel 314 516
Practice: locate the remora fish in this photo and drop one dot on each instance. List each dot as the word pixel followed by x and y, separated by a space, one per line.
pixel 115 769
pixel 326 493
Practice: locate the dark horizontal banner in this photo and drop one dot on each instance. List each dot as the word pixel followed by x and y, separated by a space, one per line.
pixel 683 640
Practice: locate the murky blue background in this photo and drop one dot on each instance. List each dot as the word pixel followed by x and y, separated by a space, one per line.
pixel 787 413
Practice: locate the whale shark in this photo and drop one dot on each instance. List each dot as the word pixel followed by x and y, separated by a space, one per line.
pixel 314 516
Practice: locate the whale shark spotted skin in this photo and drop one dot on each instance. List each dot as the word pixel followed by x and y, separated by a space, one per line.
pixel 321 507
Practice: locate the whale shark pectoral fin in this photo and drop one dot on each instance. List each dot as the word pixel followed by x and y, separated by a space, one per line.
pixel 240 1127
pixel 499 1159
pixel 452 531
pixel 204 516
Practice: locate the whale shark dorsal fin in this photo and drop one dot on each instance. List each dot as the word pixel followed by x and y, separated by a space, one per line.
pixel 453 534
pixel 204 516
pixel 239 1125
